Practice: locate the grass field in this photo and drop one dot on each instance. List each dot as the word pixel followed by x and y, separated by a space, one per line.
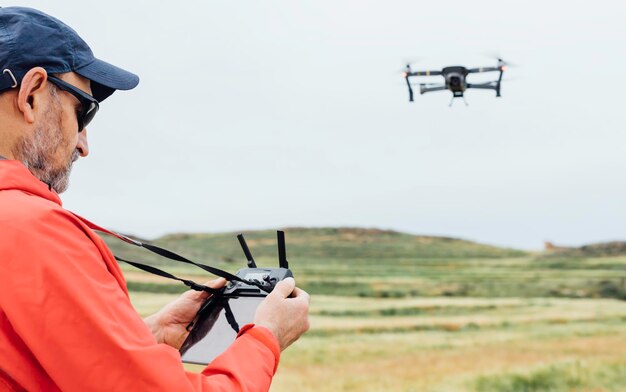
pixel 394 312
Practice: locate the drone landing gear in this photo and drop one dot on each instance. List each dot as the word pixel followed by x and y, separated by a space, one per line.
pixel 457 96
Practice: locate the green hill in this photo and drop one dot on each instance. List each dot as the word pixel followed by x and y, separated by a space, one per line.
pixel 322 243
pixel 345 243
pixel 380 263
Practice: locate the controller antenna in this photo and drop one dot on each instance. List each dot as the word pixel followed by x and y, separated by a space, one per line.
pixel 282 252
pixel 246 251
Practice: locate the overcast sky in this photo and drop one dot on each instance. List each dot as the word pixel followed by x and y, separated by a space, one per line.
pixel 263 114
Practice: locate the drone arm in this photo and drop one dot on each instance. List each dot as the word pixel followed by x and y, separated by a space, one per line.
pixel 424 73
pixel 487 86
pixel 484 86
pixel 485 69
pixel 427 89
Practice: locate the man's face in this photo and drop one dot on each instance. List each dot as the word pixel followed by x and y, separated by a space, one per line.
pixel 55 143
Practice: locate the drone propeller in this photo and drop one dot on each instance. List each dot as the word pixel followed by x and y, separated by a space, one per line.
pixel 407 70
pixel 504 65
pixel 412 61
pixel 498 57
pixel 409 64
pixel 493 54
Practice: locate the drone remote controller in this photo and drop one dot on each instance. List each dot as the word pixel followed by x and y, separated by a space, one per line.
pixel 221 316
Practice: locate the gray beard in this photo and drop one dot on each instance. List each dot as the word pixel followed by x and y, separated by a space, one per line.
pixel 38 151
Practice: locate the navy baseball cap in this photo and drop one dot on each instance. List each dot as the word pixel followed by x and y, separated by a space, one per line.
pixel 30 38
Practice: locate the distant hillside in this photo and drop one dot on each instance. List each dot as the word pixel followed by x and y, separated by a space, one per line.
pixel 320 243
pixel 378 263
pixel 614 248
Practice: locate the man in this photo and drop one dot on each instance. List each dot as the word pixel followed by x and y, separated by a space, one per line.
pixel 66 322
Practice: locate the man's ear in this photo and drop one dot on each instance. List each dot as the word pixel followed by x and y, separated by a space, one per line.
pixel 30 96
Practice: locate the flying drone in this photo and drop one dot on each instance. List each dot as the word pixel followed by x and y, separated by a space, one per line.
pixel 455 80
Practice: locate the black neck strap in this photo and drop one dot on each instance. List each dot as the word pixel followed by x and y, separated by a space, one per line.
pixel 153 270
pixel 172 256
pixel 176 257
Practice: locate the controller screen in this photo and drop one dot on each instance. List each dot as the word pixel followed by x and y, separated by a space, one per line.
pixel 212 340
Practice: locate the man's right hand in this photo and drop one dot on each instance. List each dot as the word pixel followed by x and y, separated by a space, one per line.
pixel 285 312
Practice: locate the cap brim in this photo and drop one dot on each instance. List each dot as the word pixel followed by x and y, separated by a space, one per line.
pixel 106 78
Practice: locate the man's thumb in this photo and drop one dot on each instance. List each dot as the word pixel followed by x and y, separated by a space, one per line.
pixel 284 288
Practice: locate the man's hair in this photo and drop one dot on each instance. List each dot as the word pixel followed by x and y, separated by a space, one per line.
pixel 53 89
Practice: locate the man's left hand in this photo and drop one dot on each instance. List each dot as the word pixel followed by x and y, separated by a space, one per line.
pixel 169 325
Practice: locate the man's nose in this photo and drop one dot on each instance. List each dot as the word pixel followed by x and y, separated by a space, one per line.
pixel 82 146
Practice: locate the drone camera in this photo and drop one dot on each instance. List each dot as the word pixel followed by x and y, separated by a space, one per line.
pixel 455 81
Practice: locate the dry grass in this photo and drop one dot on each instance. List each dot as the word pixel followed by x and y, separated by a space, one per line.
pixel 451 353
pixel 524 311
pixel 401 363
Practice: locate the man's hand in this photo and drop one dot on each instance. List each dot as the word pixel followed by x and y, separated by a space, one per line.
pixel 170 323
pixel 285 312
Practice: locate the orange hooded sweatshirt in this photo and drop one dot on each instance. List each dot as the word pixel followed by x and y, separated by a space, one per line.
pixel 66 322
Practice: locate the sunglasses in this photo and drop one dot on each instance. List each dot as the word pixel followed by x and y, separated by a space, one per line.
pixel 89 105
